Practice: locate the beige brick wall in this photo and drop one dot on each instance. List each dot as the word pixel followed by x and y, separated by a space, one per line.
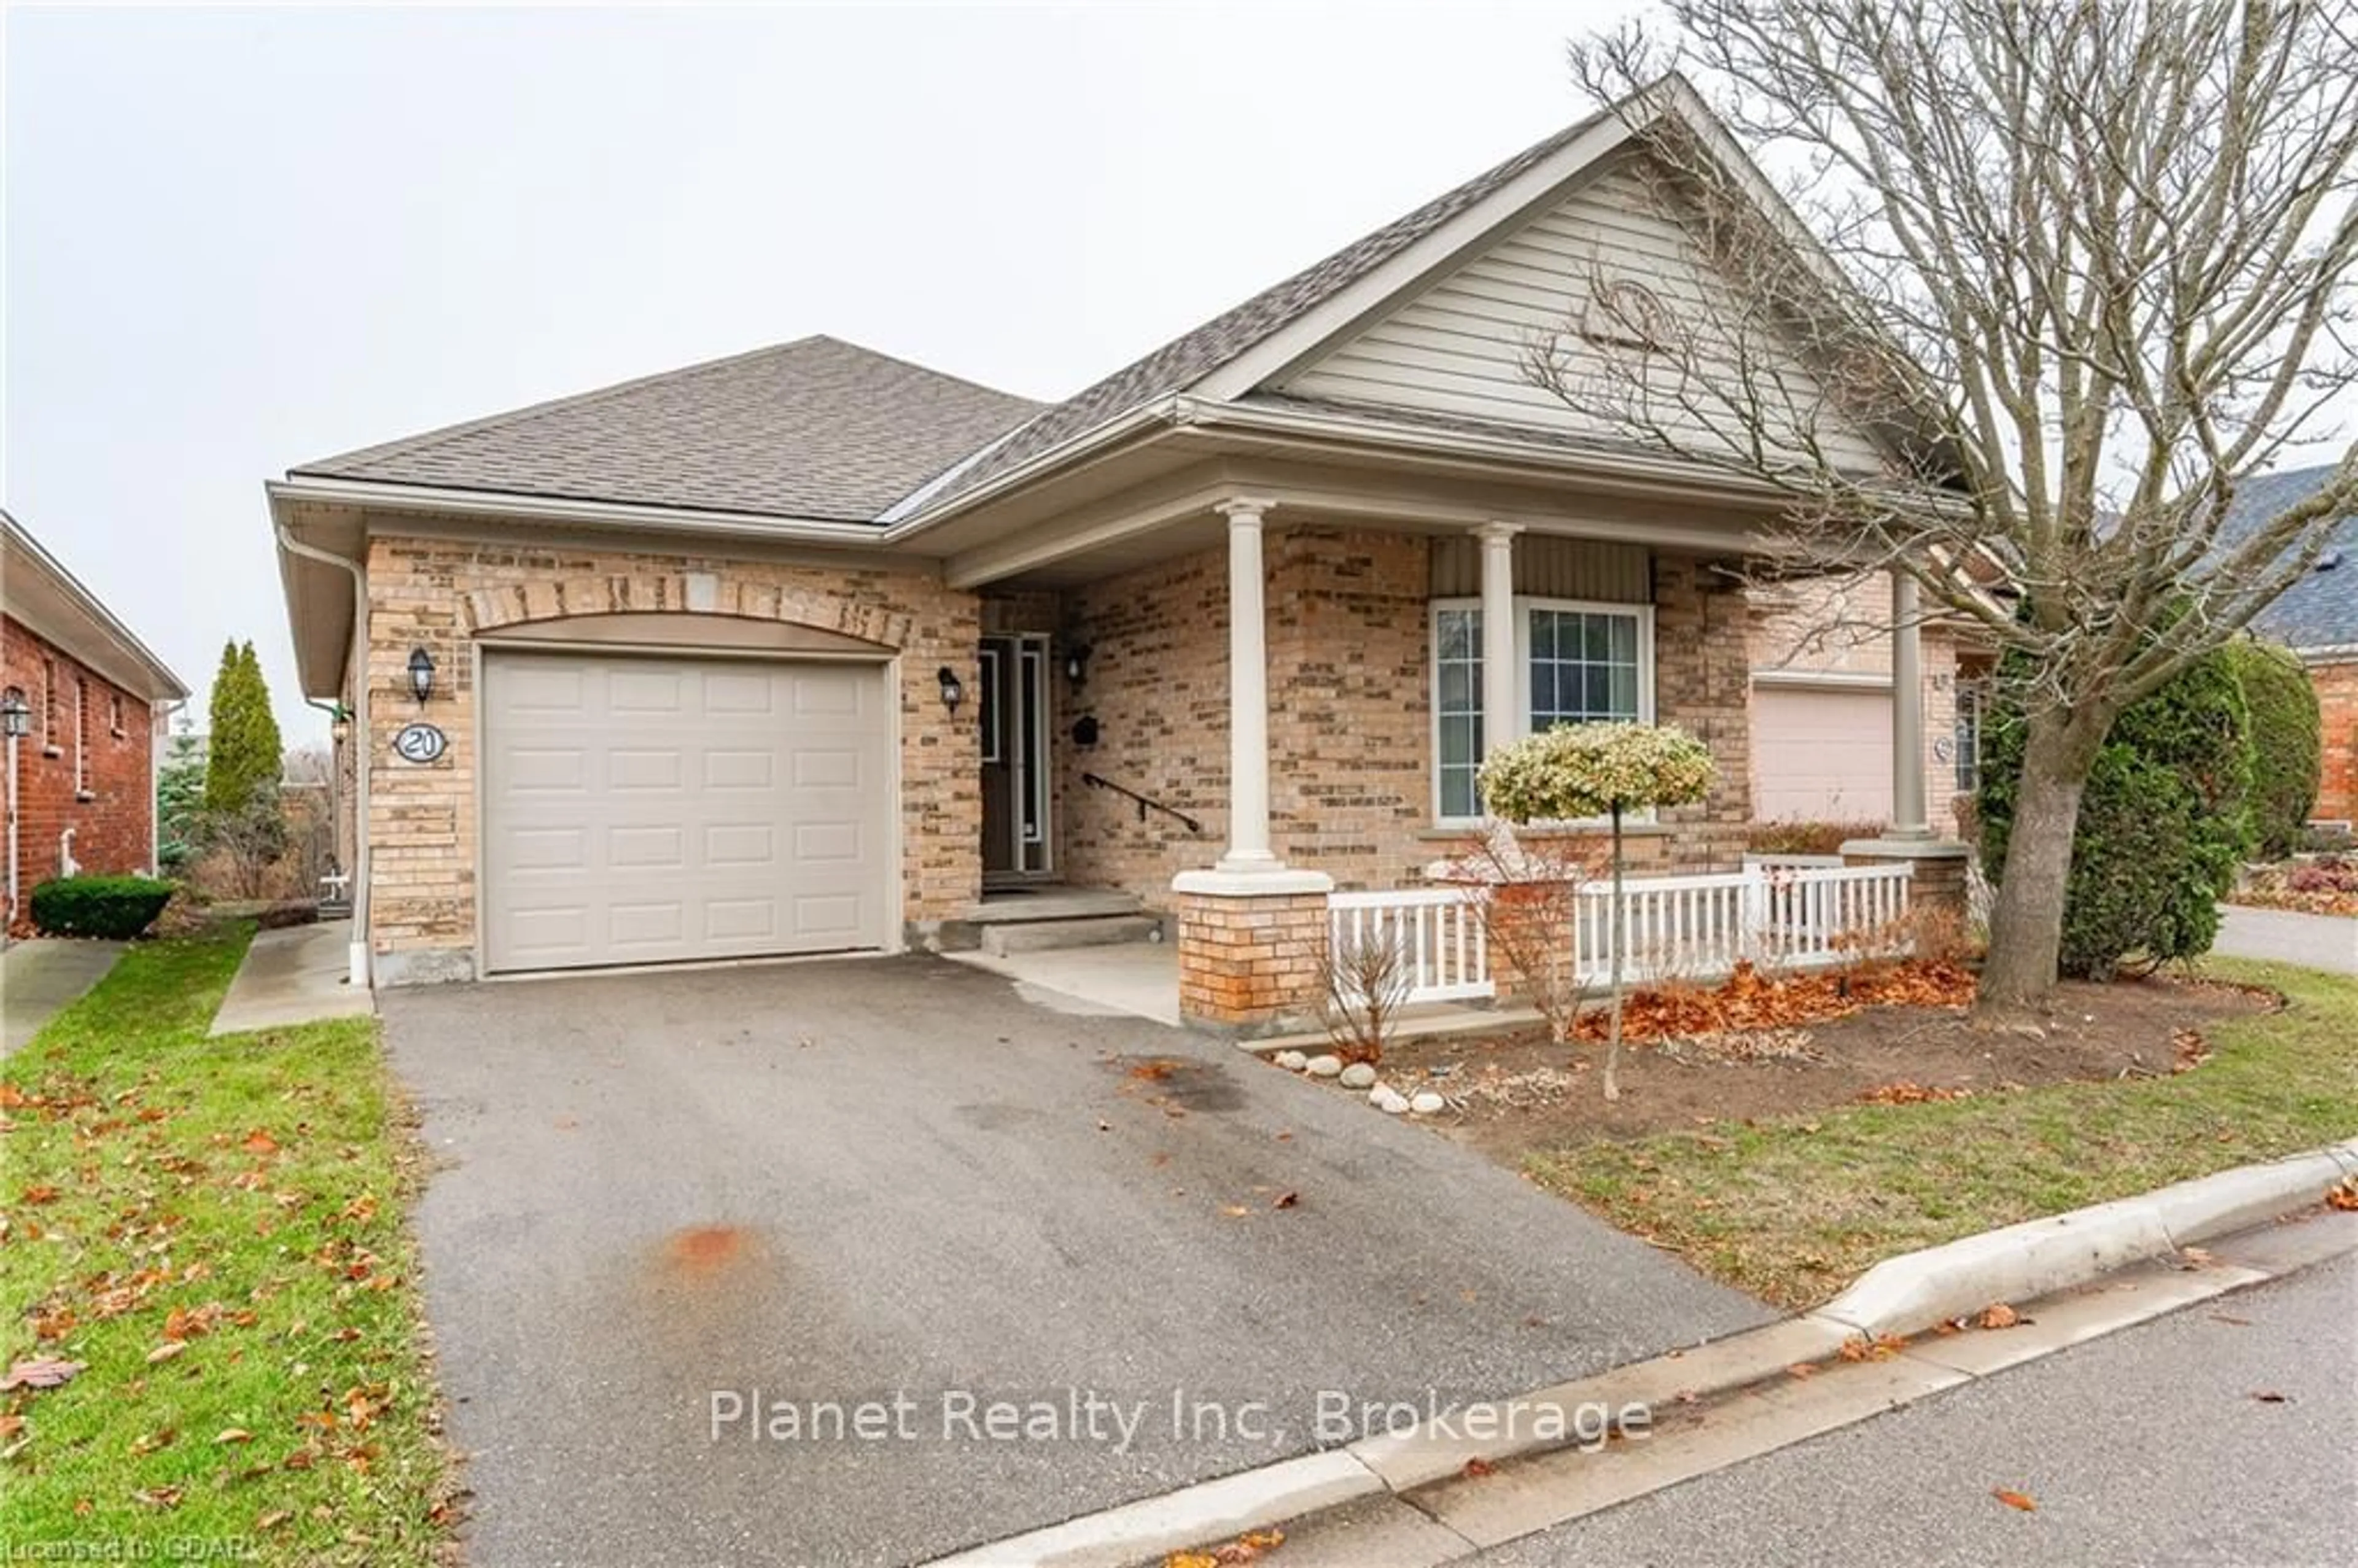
pixel 1249 963
pixel 439 594
pixel 1350 726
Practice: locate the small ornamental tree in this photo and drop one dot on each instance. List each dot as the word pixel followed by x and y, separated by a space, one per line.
pixel 243 756
pixel 2288 743
pixel 1598 770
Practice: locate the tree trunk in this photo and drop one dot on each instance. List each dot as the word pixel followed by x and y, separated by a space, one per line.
pixel 2026 925
pixel 1613 1034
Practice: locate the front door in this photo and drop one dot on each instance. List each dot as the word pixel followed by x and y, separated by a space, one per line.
pixel 1013 709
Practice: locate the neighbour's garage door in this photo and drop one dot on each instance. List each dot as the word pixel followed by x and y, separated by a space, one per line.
pixel 647 810
pixel 1821 756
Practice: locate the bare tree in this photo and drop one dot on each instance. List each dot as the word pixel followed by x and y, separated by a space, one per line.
pixel 2047 284
pixel 1365 977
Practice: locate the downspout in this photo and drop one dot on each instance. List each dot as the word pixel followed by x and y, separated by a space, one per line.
pixel 357 669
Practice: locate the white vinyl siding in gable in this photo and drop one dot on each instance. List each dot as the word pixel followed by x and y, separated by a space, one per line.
pixel 1462 347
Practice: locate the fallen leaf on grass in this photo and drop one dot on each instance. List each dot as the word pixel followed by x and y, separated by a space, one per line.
pixel 274 1519
pixel 259 1141
pixel 235 1435
pixel 2000 1315
pixel 166 1350
pixel 40 1372
pixel 159 1496
pixel 155 1440
pixel 2013 1500
pixel 41 1193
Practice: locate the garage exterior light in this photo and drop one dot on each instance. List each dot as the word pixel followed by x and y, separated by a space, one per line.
pixel 421 675
pixel 953 689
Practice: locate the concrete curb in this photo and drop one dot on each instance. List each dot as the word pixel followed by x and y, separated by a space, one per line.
pixel 1916 1290
pixel 1899 1295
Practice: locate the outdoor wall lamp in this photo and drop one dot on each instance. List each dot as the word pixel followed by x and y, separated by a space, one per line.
pixel 15 714
pixel 953 689
pixel 421 675
pixel 339 727
pixel 1076 663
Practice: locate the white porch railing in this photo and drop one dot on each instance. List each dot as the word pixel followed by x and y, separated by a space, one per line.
pixel 1778 917
pixel 1691 927
pixel 1441 932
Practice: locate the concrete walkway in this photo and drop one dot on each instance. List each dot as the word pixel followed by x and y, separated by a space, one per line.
pixel 294 975
pixel 1139 979
pixel 2325 942
pixel 38 977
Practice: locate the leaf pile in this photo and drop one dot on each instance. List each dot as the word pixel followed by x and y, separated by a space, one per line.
pixel 1752 1004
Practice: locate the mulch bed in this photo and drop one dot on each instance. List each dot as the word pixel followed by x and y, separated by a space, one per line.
pixel 1740 1059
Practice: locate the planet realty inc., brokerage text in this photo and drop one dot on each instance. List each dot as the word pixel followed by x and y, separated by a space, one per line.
pixel 1084 1415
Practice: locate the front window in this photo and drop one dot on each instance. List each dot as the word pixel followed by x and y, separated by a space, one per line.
pixel 1575 664
pixel 81 736
pixel 1967 739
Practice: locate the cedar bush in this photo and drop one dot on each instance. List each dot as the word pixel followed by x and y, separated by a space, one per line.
pixel 115 908
pixel 2164 822
pixel 2288 743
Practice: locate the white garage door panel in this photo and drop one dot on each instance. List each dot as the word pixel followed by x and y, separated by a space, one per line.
pixel 1821 756
pixel 646 810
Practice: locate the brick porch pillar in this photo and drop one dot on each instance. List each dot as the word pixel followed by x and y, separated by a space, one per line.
pixel 1251 930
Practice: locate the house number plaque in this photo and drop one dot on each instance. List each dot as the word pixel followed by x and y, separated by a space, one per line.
pixel 419 743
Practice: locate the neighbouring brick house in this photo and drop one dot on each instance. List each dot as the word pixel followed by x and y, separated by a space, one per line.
pixel 816 650
pixel 2318 619
pixel 82 779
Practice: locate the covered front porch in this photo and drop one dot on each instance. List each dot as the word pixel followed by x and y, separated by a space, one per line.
pixel 1247 698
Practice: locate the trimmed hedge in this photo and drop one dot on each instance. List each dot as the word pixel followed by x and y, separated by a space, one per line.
pixel 2163 821
pixel 2288 745
pixel 117 908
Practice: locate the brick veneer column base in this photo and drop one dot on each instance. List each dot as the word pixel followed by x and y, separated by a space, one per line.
pixel 1249 961
pixel 1939 865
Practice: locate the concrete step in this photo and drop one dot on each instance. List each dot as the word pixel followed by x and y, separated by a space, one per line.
pixel 1051 903
pixel 1088 931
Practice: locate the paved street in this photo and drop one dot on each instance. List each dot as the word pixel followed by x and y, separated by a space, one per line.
pixel 2313 941
pixel 2149 1446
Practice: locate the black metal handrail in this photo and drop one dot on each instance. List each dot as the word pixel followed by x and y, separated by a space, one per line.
pixel 1145 803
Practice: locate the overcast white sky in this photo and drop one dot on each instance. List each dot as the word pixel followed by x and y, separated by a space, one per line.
pixel 236 240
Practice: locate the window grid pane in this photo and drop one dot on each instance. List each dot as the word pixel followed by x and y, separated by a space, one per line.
pixel 1584 667
pixel 1457 703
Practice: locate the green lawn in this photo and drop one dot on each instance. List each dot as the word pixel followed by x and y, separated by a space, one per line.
pixel 215 1229
pixel 1792 1210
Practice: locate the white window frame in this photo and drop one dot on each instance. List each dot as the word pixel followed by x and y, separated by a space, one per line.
pixel 1524 605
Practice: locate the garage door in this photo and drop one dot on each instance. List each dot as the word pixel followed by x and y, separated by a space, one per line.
pixel 649 810
pixel 1821 756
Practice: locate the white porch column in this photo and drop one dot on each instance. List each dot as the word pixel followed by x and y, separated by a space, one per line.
pixel 1908 819
pixel 1248 693
pixel 1500 722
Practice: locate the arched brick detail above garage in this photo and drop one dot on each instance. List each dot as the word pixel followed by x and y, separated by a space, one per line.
pixel 698 593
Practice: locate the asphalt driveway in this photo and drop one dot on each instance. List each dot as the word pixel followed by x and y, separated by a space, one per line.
pixel 2327 942
pixel 660 1197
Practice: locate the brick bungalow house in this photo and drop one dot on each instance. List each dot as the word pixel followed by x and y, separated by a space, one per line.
pixel 81 777
pixel 813 650
pixel 2318 619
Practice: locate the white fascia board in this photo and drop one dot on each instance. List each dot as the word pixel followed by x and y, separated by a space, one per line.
pixel 914 519
pixel 114 638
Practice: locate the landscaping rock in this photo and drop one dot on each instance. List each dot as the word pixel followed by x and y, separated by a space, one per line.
pixel 1325 1066
pixel 1391 1101
pixel 1428 1104
pixel 1358 1075
pixel 1292 1061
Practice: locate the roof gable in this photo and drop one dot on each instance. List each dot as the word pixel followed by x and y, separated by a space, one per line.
pixel 1463 347
pixel 815 428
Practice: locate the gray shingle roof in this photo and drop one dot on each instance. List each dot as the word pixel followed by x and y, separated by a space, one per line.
pixel 815 428
pixel 2322 609
pixel 1184 360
